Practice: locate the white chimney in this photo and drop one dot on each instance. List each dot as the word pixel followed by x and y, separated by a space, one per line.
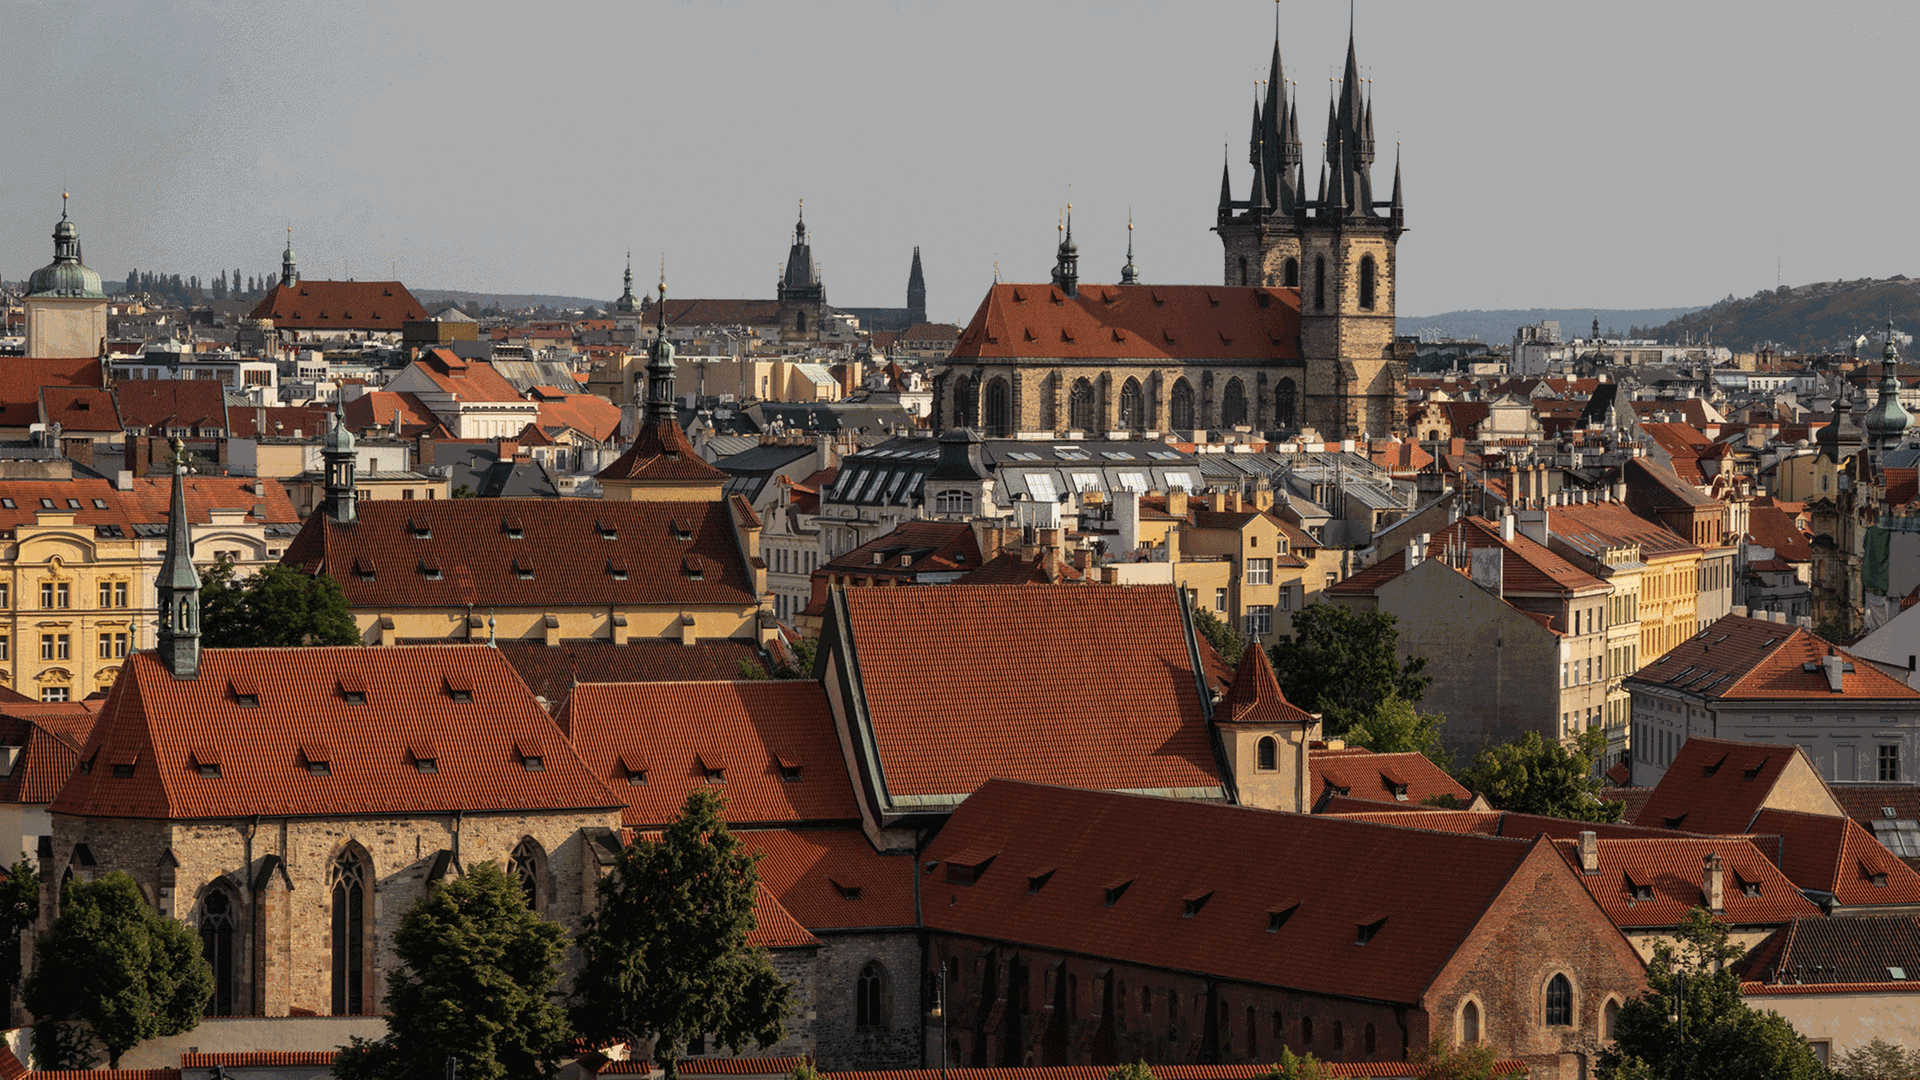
pixel 1126 521
pixel 1589 852
pixel 1506 528
pixel 1714 886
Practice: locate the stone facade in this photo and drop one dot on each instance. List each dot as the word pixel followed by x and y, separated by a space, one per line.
pixel 893 1042
pixel 277 876
pixel 1039 395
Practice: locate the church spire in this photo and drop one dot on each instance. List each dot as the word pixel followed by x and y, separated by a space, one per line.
pixel 1226 183
pixel 1129 274
pixel 289 272
pixel 660 364
pixel 916 292
pixel 179 584
pixel 1066 267
pixel 338 459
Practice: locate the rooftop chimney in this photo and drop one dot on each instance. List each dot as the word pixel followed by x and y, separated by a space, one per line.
pixel 1713 886
pixel 1506 528
pixel 1177 501
pixel 1589 852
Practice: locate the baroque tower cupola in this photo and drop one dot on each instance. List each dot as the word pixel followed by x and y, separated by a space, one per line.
pixel 179 584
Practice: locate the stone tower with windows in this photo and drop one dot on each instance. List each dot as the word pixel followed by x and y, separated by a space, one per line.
pixel 803 299
pixel 1336 246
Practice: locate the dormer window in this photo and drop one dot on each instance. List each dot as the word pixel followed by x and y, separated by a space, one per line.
pixel 965 867
pixel 1277 917
pixel 534 763
pixel 430 569
pixel 363 569
pixel 696 568
pixel 789 770
pixel 523 568
pixel 681 529
pixel 532 755
pixel 1116 890
pixel 1192 904
pixel 209 770
pixel 419 529
pixel 847 892
pixel 122 772
pixel 245 694
pixel 513 529
pixel 617 569
pixel 636 777
pixel 459 689
pixel 1637 892
pixel 1038 880
pixel 607 532
pixel 426 765
pixel 1367 931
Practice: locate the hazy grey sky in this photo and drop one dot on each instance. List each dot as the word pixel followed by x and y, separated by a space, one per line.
pixel 1636 153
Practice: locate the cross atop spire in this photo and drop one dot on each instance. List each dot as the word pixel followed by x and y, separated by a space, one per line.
pixel 1129 274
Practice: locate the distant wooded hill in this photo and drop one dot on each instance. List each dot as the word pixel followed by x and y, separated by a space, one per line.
pixel 435 299
pixel 1823 317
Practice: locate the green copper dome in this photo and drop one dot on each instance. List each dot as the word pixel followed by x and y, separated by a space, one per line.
pixel 338 439
pixel 1887 421
pixel 66 275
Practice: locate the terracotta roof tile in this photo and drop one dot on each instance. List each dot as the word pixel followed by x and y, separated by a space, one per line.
pixel 1376 777
pixel 1134 322
pixel 833 879
pixel 1835 855
pixel 660 451
pixel 936 546
pixel 158 723
pixel 49 736
pixel 339 305
pixel 1593 526
pixel 473 542
pixel 629 731
pixel 1774 527
pixel 1526 566
pixel 376 408
pixel 259 1059
pixel 147 404
pixel 1715 786
pixel 1091 686
pixel 1167 849
pixel 80 409
pixel 1256 697
pixel 22 377
pixel 1739 658
pixel 551 671
pixel 1650 882
pixel 775 927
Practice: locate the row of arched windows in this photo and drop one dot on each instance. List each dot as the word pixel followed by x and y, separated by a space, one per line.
pixel 1557 1009
pixel 350 877
pixel 996 419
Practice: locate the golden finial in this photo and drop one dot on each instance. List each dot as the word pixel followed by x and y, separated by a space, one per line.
pixel 663 274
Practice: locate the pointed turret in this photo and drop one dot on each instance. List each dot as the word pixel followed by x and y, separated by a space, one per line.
pixel 1129 274
pixel 179 584
pixel 1257 199
pixel 1066 266
pixel 1254 155
pixel 338 459
pixel 660 408
pixel 916 292
pixel 289 271
pixel 1226 186
pixel 1887 422
pixel 628 303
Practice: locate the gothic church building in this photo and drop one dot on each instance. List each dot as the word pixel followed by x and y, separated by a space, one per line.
pixel 1299 337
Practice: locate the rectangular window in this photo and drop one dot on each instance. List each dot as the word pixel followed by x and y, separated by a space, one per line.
pixel 106 646
pixel 54 693
pixel 1219 599
pixel 1889 764
pixel 6 647
pixel 1259 571
pixel 119 594
pixel 1259 620
pixel 106 594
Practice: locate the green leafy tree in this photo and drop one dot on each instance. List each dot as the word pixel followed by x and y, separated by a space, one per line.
pixel 1878 1060
pixel 475 981
pixel 1228 642
pixel 804 1071
pixel 666 955
pixel 19 907
pixel 1442 1060
pixel 1136 1071
pixel 1396 727
pixel 1533 776
pixel 1342 664
pixel 1292 1066
pixel 115 964
pixel 1692 1022
pixel 279 606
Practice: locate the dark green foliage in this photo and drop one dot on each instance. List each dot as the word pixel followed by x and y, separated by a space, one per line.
pixel 667 957
pixel 1136 1071
pixel 1724 1039
pixel 476 977
pixel 126 971
pixel 1396 727
pixel 1228 642
pixel 1533 776
pixel 1878 1060
pixel 1341 664
pixel 800 667
pixel 67 1044
pixel 279 606
pixel 19 907
pixel 1292 1066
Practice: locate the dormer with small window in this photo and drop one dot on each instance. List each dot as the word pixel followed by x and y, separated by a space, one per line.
pixel 966 867
pixel 459 688
pixel 352 689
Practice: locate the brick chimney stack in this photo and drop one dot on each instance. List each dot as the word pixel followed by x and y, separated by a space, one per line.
pixel 1589 852
pixel 1714 886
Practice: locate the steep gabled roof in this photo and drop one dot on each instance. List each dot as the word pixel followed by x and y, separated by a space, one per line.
pixel 1739 658
pixel 1256 697
pixel 1589 527
pixel 1377 777
pixel 771 744
pixel 339 305
pixel 1193 886
pixel 261 718
pixel 21 378
pixel 49 736
pixel 1835 855
pixel 80 408
pixel 1091 686
pixel 528 552
pixel 1652 882
pixel 551 671
pixel 833 879
pixel 1144 322
pixel 1839 949
pixel 1716 786
pixel 147 404
pixel 661 452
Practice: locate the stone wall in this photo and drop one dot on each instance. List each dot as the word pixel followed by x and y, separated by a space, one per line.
pixel 843 1044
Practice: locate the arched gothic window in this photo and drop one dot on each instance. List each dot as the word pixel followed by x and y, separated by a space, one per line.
pixel 869 1007
pixel 1319 283
pixel 1268 753
pixel 216 944
pixel 1559 1002
pixel 997 411
pixel 1366 283
pixel 1181 415
pixel 1285 402
pixel 965 404
pixel 1080 407
pixel 1369 1037
pixel 524 866
pixel 1609 1017
pixel 1292 272
pixel 1132 406
pixel 348 880
pixel 1243 271
pixel 1253 1032
pixel 1470 1023
pixel 800 321
pixel 1233 404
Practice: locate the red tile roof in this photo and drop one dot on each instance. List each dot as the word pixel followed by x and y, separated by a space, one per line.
pixel 1212 322
pixel 588 414
pixel 144 504
pixel 50 737
pixel 1087 686
pixel 1165 853
pixel 929 546
pixel 339 305
pixel 1835 855
pixel 165 728
pixel 310 421
pixel 833 879
pixel 158 404
pixel 1487 822
pixel 1526 567
pixel 1591 527
pixel 21 379
pixel 576 549
pixel 258 1059
pixel 774 926
pixel 772 741
pixel 1256 697
pixel 551 671
pixel 1674 870
pixel 466 380
pixel 377 408
pixel 1715 786
pixel 1774 527
pixel 1376 776
pixel 79 409
pixel 661 452
pixel 1739 659
pixel 695 312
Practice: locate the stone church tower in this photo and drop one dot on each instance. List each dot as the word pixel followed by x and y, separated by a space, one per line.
pixel 1336 246
pixel 803 299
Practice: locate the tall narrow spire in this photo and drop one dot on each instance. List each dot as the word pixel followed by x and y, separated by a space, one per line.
pixel 289 272
pixel 660 364
pixel 916 292
pixel 1226 182
pixel 1129 274
pixel 1066 267
pixel 179 584
pixel 338 459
